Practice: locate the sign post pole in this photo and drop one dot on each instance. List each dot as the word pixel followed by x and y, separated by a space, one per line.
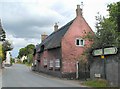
pixel 104 63
pixel 103 52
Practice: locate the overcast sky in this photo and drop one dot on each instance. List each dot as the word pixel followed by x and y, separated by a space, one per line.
pixel 25 20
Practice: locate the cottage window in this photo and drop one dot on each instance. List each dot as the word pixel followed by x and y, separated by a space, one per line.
pixel 79 42
pixel 35 62
pixel 45 62
pixel 57 63
pixel 51 63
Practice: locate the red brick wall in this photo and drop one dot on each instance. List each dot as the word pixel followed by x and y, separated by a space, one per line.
pixel 70 52
pixel 35 56
pixel 52 54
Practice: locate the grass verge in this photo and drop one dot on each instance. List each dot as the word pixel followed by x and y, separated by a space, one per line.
pixel 96 83
pixel 28 64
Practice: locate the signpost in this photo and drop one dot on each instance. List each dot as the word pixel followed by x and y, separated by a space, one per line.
pixel 103 52
pixel 111 50
pixel 97 52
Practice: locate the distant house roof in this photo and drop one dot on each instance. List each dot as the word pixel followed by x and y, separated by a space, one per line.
pixel 54 40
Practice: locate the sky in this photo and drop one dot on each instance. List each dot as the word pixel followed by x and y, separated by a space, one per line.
pixel 25 20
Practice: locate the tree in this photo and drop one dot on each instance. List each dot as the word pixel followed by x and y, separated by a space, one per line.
pixel 27 51
pixel 2 33
pixel 7 45
pixel 3 36
pixel 22 52
pixel 108 28
pixel 30 48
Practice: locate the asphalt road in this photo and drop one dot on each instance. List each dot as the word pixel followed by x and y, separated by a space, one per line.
pixel 20 75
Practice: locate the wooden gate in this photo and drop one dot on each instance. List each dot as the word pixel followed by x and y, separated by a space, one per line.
pixel 83 71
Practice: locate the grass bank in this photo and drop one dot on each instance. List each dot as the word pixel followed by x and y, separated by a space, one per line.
pixel 96 83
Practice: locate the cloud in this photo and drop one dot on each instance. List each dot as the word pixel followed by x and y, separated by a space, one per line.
pixel 20 43
pixel 26 19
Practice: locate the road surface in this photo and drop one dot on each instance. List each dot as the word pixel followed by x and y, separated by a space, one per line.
pixel 20 75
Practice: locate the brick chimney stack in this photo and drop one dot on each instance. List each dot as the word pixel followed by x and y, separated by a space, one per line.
pixel 78 11
pixel 55 27
pixel 43 36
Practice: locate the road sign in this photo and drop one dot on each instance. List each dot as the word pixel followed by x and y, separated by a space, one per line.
pixel 97 75
pixel 105 51
pixel 97 52
pixel 112 50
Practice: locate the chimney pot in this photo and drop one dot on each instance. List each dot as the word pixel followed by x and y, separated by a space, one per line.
pixel 78 11
pixel 43 36
pixel 78 6
pixel 55 27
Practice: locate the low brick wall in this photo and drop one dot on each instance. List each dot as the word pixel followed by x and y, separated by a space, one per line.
pixel 69 75
pixel 57 73
pixel 50 72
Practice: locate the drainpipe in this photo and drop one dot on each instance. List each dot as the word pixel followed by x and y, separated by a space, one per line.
pixel 77 69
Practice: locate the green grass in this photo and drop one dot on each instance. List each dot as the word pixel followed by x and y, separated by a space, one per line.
pixel 28 64
pixel 96 83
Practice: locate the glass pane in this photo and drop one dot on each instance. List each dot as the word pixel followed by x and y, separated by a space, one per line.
pixel 81 42
pixel 77 42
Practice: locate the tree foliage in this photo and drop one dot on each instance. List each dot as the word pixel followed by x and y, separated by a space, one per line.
pixel 27 51
pixel 22 52
pixel 107 30
pixel 7 45
pixel 108 33
pixel 2 35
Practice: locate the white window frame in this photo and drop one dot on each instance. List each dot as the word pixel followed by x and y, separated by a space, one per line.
pixel 57 63
pixel 35 62
pixel 51 64
pixel 79 41
pixel 45 62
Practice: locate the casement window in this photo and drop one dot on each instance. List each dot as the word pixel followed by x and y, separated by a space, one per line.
pixel 51 63
pixel 45 62
pixel 57 63
pixel 35 62
pixel 79 42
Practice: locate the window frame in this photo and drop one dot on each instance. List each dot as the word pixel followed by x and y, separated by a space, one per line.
pixel 79 42
pixel 51 64
pixel 57 63
pixel 45 62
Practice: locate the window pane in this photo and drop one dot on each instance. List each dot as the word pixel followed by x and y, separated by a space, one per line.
pixel 77 42
pixel 45 61
pixel 57 63
pixel 81 42
pixel 51 63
